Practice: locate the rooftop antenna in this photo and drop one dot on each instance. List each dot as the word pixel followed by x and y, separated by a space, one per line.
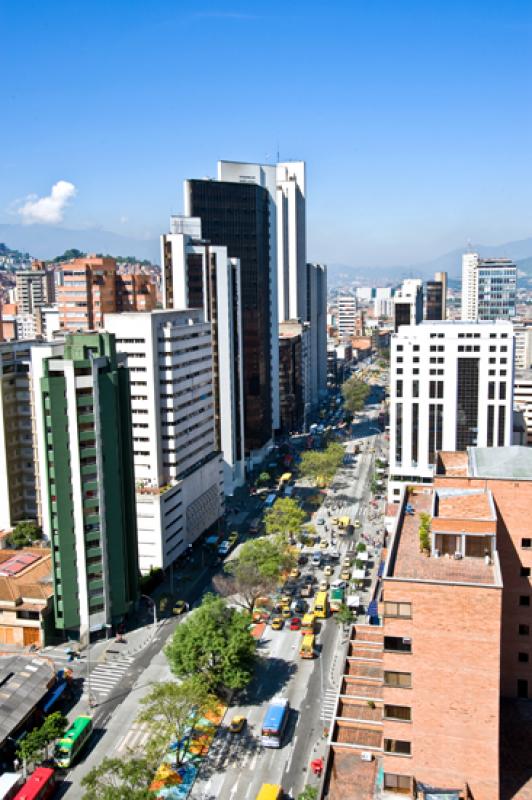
pixel 278 157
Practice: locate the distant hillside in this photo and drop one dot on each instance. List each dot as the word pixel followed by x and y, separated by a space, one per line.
pixel 46 242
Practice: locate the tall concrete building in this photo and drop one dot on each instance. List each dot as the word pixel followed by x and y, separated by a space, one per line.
pixel 91 288
pixel 238 216
pixel 488 288
pixel 34 287
pixel 83 422
pixel 178 468
pixel 408 303
pixel 198 274
pixel 293 360
pixel 316 317
pixel 346 305
pixel 452 388
pixel 523 345
pixel 18 456
pixel 523 399
pixel 436 297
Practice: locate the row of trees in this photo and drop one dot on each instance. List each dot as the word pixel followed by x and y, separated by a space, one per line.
pixel 35 746
pixel 323 464
pixel 355 393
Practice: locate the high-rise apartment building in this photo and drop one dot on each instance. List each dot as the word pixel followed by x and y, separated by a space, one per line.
pixel 346 305
pixel 237 216
pixel 82 410
pixel 316 317
pixel 523 345
pixel 408 303
pixel 436 297
pixel 34 287
pixel 18 457
pixel 488 288
pixel 198 274
pixel 452 388
pixel 523 398
pixel 91 288
pixel 178 468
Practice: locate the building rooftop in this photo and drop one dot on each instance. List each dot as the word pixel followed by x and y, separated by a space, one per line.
pixel 464 504
pixel 407 562
pixel 24 681
pixel 33 577
pixel 500 462
pixel 452 463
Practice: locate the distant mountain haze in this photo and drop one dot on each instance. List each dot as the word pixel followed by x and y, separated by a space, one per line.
pixel 46 241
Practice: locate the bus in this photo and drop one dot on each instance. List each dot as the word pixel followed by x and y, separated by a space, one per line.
pixel 274 722
pixel 39 786
pixel 307 623
pixel 68 748
pixel 306 649
pixel 10 783
pixel 321 605
pixel 270 791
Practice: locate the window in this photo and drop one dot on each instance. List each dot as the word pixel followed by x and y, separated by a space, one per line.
pixel 524 630
pixel 491 390
pixel 397 783
pixel 400 680
pixel 522 688
pixel 523 658
pixel 403 713
pixel 399 388
pixel 526 543
pixel 525 572
pixel 398 610
pixel 524 600
pixel 502 391
pixel 397 644
pixel 398 746
pixel 415 388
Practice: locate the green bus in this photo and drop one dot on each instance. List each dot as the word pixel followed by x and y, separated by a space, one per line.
pixel 67 749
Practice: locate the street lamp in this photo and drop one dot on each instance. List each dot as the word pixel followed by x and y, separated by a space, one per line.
pixel 151 600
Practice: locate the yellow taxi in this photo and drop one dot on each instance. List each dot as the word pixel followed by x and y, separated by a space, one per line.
pixel 277 623
pixel 294 573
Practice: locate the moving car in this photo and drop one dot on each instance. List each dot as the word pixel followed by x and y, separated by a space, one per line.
pixel 306 590
pixel 324 544
pixel 324 585
pixel 286 612
pixel 180 607
pixel 295 624
pixel 316 560
pixel 294 573
pixel 237 724
pixel 298 607
pixel 224 548
pixel 328 571
pixel 232 538
pixel 357 523
pixel 345 573
pixel 277 623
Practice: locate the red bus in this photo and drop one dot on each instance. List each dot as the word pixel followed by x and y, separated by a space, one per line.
pixel 39 786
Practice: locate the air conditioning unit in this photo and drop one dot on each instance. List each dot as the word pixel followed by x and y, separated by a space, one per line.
pixel 458 554
pixel 366 756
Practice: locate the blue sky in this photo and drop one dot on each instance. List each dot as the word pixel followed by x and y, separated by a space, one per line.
pixel 415 118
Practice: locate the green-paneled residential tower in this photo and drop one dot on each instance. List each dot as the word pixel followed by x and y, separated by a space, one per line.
pixel 88 487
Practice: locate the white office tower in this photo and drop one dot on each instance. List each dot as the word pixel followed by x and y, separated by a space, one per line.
pixel 197 274
pixel 178 469
pixel 489 287
pixel 408 303
pixel 523 345
pixel 346 305
pixel 286 185
pixel 452 388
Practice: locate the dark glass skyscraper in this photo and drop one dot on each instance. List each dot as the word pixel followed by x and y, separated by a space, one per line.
pixel 236 215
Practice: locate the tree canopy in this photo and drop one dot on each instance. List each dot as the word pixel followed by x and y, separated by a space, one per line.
pixel 35 744
pixel 315 464
pixel 171 710
pixel 355 394
pixel 214 643
pixel 285 516
pixel 119 779
pixel 23 535
pixel 258 568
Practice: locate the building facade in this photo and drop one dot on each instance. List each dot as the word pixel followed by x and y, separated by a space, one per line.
pixel 523 345
pixel 436 297
pixel 523 399
pixel 489 288
pixel 197 274
pixel 346 315
pixel 451 388
pixel 237 216
pixel 83 421
pixel 178 468
pixel 316 317
pixel 408 303
pixel 293 340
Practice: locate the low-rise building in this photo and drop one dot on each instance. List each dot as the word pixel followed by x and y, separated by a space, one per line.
pixel 26 597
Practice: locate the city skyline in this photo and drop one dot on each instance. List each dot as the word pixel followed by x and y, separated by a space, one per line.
pixel 412 146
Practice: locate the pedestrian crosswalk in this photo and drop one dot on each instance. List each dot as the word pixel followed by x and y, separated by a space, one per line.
pixel 104 677
pixel 135 740
pixel 328 705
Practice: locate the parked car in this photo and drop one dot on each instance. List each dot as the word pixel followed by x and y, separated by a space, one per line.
pixel 224 548
pixel 180 607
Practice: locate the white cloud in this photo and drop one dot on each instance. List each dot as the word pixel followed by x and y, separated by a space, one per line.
pixel 47 210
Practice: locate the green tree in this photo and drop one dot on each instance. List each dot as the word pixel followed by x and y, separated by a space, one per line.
pixel 316 465
pixel 285 516
pixel 264 478
pixel 308 793
pixel 172 711
pixel 355 394
pixel 53 728
pixel 344 616
pixel 214 643
pixel 73 252
pixel 119 779
pixel 24 535
pixel 257 569
pixel 31 748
